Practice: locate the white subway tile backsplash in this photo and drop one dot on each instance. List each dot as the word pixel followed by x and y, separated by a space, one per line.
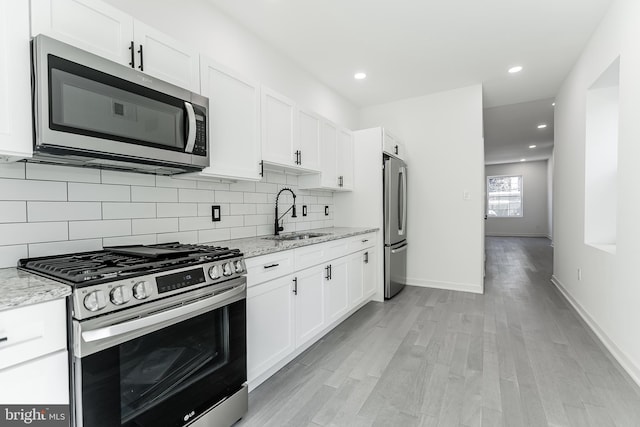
pixel 242 209
pixel 9 255
pixel 195 196
pixel 151 194
pixel 47 172
pixel 177 209
pixel 105 228
pixel 292 179
pixel 167 181
pixel 32 232
pixel 213 236
pixel 196 223
pixel 63 211
pixel 13 212
pixel 74 209
pixel 242 232
pixel 64 247
pixel 99 192
pixel 155 225
pixel 140 239
pixel 128 178
pixel 125 210
pixel 256 198
pixel 12 170
pixel 243 186
pixel 181 237
pixel 19 189
pixel 228 196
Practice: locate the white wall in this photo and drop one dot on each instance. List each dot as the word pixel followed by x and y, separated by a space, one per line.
pixel 445 158
pixel 608 295
pixel 534 221
pixel 213 33
pixel 550 169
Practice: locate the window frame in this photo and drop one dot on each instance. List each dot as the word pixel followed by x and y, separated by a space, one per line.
pixel 521 176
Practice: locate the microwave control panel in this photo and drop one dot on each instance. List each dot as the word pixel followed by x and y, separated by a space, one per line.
pixel 200 146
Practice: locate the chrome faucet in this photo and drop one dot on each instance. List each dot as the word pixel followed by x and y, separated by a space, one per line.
pixel 278 227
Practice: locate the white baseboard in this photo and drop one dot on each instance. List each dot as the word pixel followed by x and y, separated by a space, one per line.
pixel 623 359
pixel 516 235
pixel 449 286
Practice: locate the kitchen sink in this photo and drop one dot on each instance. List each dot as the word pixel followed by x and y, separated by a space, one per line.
pixel 295 236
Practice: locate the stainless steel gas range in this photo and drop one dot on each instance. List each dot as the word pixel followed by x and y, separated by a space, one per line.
pixel 157 333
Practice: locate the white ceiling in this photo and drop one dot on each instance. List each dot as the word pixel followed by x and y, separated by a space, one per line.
pixel 415 47
pixel 509 130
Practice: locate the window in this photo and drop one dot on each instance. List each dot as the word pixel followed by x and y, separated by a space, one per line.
pixel 504 196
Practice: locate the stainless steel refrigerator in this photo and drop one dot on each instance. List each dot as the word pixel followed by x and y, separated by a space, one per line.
pixel 395 225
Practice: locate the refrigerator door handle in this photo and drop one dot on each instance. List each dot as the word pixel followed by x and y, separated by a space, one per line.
pixel 402 202
pixel 400 249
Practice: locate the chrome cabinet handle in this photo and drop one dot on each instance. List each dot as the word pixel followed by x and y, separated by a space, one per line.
pixel 191 131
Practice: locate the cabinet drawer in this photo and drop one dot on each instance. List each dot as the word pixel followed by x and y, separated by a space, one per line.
pixel 267 267
pixel 309 256
pixel 32 331
pixel 361 242
pixel 42 381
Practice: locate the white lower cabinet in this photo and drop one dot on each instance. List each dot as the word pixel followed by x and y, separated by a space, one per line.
pixel 270 324
pixel 41 381
pixel 291 304
pixel 309 307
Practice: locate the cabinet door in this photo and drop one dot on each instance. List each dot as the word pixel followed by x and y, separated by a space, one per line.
pixel 15 84
pixel 336 293
pixel 40 381
pixel 309 139
pixel 163 57
pixel 278 128
pixel 355 270
pixel 370 272
pixel 310 318
pixel 345 159
pixel 88 24
pixel 393 146
pixel 234 132
pixel 328 147
pixel 270 316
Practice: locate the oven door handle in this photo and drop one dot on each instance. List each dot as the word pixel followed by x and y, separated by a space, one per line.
pixel 108 336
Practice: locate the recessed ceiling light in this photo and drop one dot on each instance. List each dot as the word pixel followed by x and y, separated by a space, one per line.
pixel 553 105
pixel 359 76
pixel 515 69
pixel 532 146
pixel 523 160
pixel 542 126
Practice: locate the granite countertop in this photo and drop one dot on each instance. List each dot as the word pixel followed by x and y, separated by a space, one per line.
pixel 19 288
pixel 256 246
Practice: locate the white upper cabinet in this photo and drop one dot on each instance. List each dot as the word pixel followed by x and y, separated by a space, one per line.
pixel 344 159
pixel 392 145
pixel 309 140
pixel 328 152
pixel 88 24
pixel 106 31
pixel 16 141
pixel 234 130
pixel 278 128
pixel 163 57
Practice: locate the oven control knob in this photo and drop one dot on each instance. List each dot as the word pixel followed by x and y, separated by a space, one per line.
pixel 120 295
pixel 227 269
pixel 214 272
pixel 238 266
pixel 142 290
pixel 95 300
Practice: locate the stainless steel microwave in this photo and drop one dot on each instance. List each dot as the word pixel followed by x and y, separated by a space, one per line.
pixel 90 111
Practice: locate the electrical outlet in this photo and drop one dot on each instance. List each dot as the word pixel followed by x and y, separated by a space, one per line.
pixel 579 274
pixel 466 195
pixel 215 213
pixel 304 210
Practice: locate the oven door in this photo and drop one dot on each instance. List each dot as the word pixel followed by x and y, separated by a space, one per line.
pixel 165 367
pixel 89 106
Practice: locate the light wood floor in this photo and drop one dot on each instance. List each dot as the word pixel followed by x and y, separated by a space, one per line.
pixel 516 356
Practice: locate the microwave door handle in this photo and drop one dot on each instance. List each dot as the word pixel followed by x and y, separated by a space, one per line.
pixel 191 127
